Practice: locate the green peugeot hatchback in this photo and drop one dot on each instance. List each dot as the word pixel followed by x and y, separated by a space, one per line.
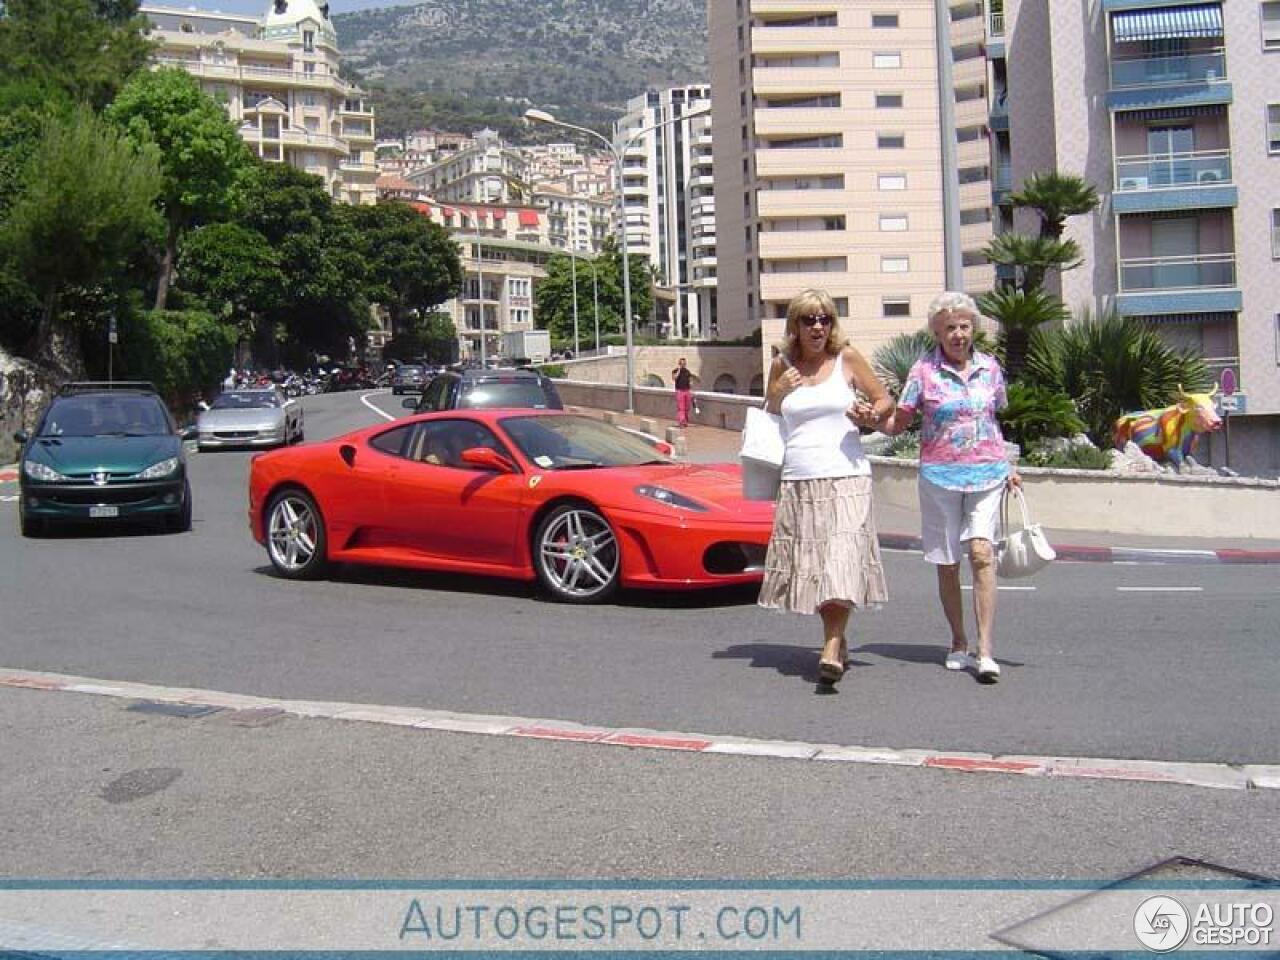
pixel 104 452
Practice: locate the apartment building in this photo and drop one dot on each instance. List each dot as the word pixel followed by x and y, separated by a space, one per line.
pixel 278 76
pixel 574 222
pixel 499 275
pixel 1172 110
pixel 829 159
pixel 485 171
pixel 668 203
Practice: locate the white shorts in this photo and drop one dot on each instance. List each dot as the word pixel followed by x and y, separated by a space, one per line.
pixel 950 517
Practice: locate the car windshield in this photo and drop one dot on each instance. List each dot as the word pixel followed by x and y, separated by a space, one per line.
pixel 410 371
pixel 106 416
pixel 508 392
pixel 245 400
pixel 577 443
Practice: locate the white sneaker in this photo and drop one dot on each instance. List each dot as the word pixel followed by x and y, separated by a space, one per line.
pixel 988 670
pixel 959 660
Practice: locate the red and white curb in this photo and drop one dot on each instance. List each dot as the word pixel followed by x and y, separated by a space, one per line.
pixel 1219 776
pixel 7 475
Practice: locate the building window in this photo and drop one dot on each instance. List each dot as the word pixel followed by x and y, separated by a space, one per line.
pixel 974 174
pixel 896 306
pixel 970 134
pixel 1275 233
pixel 888 101
pixel 972 92
pixel 973 258
pixel 826 142
pixel 884 21
pixel 891 141
pixel 975 215
pixel 1273 128
pixel 1271 25
pixel 308 40
pixel 893 222
pixel 887 60
pixel 892 181
pixel 895 264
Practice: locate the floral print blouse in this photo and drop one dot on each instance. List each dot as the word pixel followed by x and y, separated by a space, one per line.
pixel 961 447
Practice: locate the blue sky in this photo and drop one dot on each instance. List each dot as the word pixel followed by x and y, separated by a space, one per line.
pixel 259 7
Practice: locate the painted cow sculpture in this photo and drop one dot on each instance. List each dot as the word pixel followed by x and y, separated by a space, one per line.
pixel 1171 432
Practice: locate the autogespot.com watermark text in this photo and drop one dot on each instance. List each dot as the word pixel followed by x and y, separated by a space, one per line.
pixel 619 924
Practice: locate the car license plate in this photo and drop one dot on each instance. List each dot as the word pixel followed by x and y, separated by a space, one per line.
pixel 96 512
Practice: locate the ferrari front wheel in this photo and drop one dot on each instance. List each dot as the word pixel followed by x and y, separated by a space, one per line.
pixel 295 536
pixel 576 554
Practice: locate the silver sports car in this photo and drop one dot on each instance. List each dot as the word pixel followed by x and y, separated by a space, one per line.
pixel 250 418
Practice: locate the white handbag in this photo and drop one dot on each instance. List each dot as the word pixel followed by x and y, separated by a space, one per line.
pixel 1022 552
pixel 763 446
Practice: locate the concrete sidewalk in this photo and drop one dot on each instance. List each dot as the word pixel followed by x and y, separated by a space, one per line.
pixel 900 527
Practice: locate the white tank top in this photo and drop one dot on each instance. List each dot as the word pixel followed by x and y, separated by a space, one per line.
pixel 821 441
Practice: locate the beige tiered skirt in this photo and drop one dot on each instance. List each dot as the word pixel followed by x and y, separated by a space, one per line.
pixel 823 548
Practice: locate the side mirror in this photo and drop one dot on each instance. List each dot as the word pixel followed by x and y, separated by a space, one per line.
pixel 487 459
pixel 21 436
pixel 190 432
pixel 409 404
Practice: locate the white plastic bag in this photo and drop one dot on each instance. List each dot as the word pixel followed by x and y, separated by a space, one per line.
pixel 763 446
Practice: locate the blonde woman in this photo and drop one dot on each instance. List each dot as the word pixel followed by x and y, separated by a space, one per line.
pixel 957 390
pixel 823 555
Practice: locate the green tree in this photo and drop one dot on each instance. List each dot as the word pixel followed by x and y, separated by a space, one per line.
pixel 1020 312
pixel 181 351
pixel 413 263
pixel 553 297
pixel 87 203
pixel 1112 365
pixel 233 272
pixel 200 152
pixel 433 337
pixel 323 303
pixel 1053 197
pixel 69 51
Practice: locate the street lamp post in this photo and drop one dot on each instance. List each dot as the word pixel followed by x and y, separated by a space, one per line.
pixel 595 299
pixel 541 116
pixel 573 269
pixel 480 293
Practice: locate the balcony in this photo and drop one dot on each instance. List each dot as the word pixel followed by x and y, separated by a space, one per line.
pixel 1196 283
pixel 1175 181
pixel 1178 273
pixel 1153 81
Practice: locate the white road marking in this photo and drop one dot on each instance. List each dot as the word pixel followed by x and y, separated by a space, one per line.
pixel 364 398
pixel 1160 589
pixel 9 499
pixel 969 586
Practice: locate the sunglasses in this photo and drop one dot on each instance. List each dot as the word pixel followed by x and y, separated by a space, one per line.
pixel 816 318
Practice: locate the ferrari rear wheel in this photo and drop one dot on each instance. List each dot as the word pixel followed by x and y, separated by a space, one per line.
pixel 576 554
pixel 295 536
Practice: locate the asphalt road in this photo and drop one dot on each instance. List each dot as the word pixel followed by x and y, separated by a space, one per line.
pixel 1095 664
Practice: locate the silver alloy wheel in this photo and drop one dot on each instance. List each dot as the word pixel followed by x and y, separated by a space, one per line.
pixel 579 553
pixel 292 533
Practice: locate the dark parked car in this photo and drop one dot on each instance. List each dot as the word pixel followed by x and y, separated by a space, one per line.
pixel 466 389
pixel 408 378
pixel 104 452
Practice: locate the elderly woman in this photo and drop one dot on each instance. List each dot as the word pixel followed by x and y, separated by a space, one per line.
pixel 823 555
pixel 963 470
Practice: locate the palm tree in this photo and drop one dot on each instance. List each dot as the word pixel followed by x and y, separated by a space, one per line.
pixel 1112 365
pixel 893 360
pixel 1055 196
pixel 1036 256
pixel 1019 313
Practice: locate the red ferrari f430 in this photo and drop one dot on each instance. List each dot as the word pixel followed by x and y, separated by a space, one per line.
pixel 583 507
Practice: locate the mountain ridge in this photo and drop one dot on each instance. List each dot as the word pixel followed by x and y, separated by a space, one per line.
pixel 581 56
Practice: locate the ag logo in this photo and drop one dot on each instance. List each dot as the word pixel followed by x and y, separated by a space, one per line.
pixel 99 478
pixel 1161 924
pixel 535 480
